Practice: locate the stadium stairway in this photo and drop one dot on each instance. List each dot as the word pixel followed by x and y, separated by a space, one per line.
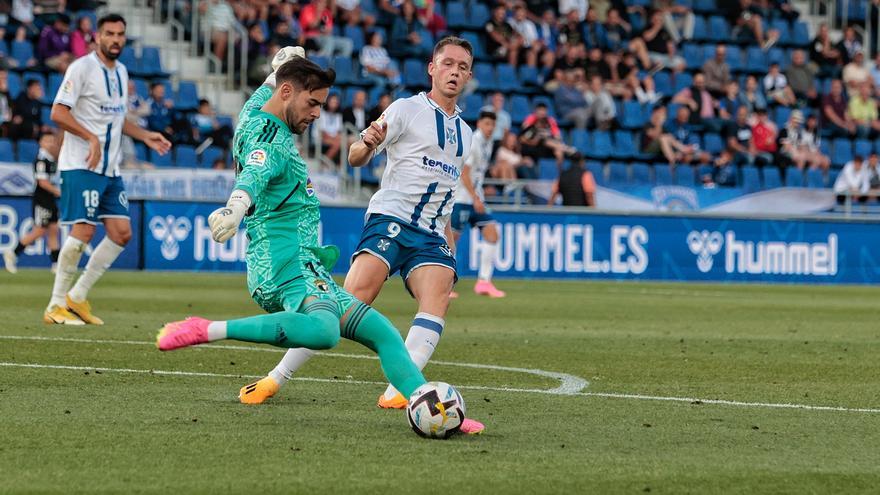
pixel 174 55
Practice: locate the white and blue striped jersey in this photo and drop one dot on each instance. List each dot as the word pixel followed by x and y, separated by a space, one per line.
pixel 97 96
pixel 478 161
pixel 425 150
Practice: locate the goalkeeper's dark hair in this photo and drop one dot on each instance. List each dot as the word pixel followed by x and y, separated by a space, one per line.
pixel 304 74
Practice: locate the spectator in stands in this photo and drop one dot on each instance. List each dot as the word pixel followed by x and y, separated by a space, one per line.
pixel 824 53
pixel 316 20
pixel 206 126
pixel 5 103
pixel 764 134
pixel 776 87
pixel 27 112
pixel 721 173
pixel 850 45
pixel 701 103
pixel 376 65
pixel 682 132
pixel 161 115
pixel 82 41
pixel 528 32
pixel 138 108
pixel 503 121
pixel 576 186
pixel 286 33
pixel 600 104
pixel 751 97
pixel 388 11
pixel 596 65
pixel 799 146
pixel 874 172
pixel 571 102
pixel 853 181
pixel 381 105
pixel 729 103
pixel 541 137
pixel 875 71
pixel 548 32
pixel 748 24
pixel 21 18
pixel 678 19
pixel 408 34
pixel 579 7
pixel 835 116
pixel 740 140
pixel 350 13
pixel 432 20
pixel 509 163
pixel 218 21
pixel 593 32
pixel 356 115
pixel 258 54
pixel 802 78
pixel 855 72
pixel 717 71
pixel 656 141
pixel 54 46
pixel 642 90
pixel 617 32
pixel 655 47
pixel 862 109
pixel 329 126
pixel 219 164
pixel 502 41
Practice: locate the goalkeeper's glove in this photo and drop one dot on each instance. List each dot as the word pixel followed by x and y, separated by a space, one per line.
pixel 283 55
pixel 224 221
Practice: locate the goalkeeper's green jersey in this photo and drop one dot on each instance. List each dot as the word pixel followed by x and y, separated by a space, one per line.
pixel 282 224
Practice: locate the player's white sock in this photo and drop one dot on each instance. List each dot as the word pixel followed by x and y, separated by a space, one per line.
pixel 293 360
pixel 68 265
pixel 422 339
pixel 216 331
pixel 487 260
pixel 103 256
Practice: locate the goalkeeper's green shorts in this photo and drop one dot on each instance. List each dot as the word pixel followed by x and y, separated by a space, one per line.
pixel 314 283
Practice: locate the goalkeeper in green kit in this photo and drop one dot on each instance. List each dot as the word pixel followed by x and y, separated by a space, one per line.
pixel 288 273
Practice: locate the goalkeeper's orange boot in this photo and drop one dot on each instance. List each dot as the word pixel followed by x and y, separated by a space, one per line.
pixel 84 310
pixel 259 391
pixel 396 402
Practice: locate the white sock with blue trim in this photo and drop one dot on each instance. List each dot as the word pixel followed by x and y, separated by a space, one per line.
pixel 422 339
pixel 487 260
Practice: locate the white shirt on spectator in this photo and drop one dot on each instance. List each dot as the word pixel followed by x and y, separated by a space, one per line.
pixel 219 17
pixel 375 57
pixel 503 121
pixel 855 73
pixel 526 29
pixel 23 11
pixel 348 4
pixel 852 179
pixel 330 123
pixel 772 83
pixel 581 6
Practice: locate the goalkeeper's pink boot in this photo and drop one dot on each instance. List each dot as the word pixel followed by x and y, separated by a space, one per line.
pixel 471 427
pixel 487 288
pixel 191 331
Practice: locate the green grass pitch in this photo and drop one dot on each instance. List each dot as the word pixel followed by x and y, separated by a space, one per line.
pixel 93 428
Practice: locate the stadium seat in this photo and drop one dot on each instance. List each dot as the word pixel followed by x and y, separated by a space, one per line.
pixel 6 153
pixel 693 55
pixel 632 115
pixel 701 32
pixel 186 156
pixel 128 59
pixel 719 30
pixel 519 108
pixel 547 169
pixel 815 179
pixel 598 172
pixel 841 151
pixel 618 174
pixel 756 60
pixel 150 63
pixel 415 74
pixel 781 25
pixel 662 174
pixel 477 17
pixel 142 88
pixel 476 42
pixel 682 80
pixel 26 150
pixel 800 35
pixel 471 108
pixel 456 18
pixel 735 58
pixel 344 68
pixel 794 177
pixel 772 178
pixel 713 143
pixel 356 35
pixel 705 7
pixel 863 147
pixel 663 83
pixel 751 181
pixel 781 115
pixel 484 73
pixel 4 48
pixel 684 176
pixel 507 78
pixel 601 145
pixel 777 55
pixel 210 155
pixel 321 60
pixel 187 96
pixel 580 139
pixel 641 174
pixel 140 152
pixel 161 160
pixel 624 145
pixel 22 52
pixel 528 76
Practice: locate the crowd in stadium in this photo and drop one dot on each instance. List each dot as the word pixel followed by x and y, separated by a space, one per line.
pixel 699 92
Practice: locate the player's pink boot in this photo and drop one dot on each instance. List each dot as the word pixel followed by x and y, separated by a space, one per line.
pixel 191 331
pixel 471 427
pixel 486 288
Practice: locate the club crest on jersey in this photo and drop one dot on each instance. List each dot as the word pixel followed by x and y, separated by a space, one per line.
pixel 451 136
pixel 310 188
pixel 256 158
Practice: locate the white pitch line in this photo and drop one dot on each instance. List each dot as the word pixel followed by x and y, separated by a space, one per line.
pixel 569 384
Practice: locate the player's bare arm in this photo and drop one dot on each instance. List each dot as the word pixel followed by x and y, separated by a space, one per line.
pixel 154 140
pixel 62 116
pixel 361 152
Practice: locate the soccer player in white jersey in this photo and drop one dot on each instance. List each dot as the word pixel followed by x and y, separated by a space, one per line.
pixel 470 209
pixel 90 108
pixel 407 227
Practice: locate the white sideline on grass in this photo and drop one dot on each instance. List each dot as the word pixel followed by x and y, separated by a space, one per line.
pixel 571 385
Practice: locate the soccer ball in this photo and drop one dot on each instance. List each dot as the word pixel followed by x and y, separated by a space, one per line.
pixel 435 410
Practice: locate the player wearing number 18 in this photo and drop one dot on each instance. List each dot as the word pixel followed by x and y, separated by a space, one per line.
pixel 90 107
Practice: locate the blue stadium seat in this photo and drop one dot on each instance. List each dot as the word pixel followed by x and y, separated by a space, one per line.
pixel 705 7
pixel 751 181
pixel 794 177
pixel 53 85
pixel 713 143
pixel 187 96
pixel 663 174
pixel 693 55
pixel 781 25
pixel 777 55
pixel 841 151
pixel 186 156
pixel 547 169
pixel 618 174
pixel 641 174
pixel 471 109
pixel 781 115
pixel 815 179
pixel 800 35
pixel 507 78
pixel 128 59
pixel 663 83
pixel 632 115
pixel 477 17
pixel 485 74
pixel 210 155
pixel 735 58
pixel 756 60
pixel 719 29
pixel 601 146
pixel 415 74
pixel 142 88
pixel 344 68
pixel 356 35
pixel 684 176
pixel 580 139
pixel 140 152
pixel 519 108
pixel 476 42
pixel 624 145
pixel 161 160
pixel 862 147
pixel 598 172
pixel 47 116
pixel 772 178
pixel 15 85
pixel 22 52
pixel 26 150
pixel 528 76
pixel 456 18
pixel 150 62
pixel 322 61
pixel 4 48
pixel 682 80
pixel 701 32
pixel 6 153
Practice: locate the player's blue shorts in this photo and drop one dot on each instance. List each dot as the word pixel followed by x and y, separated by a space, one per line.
pixel 465 216
pixel 402 246
pixel 87 197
